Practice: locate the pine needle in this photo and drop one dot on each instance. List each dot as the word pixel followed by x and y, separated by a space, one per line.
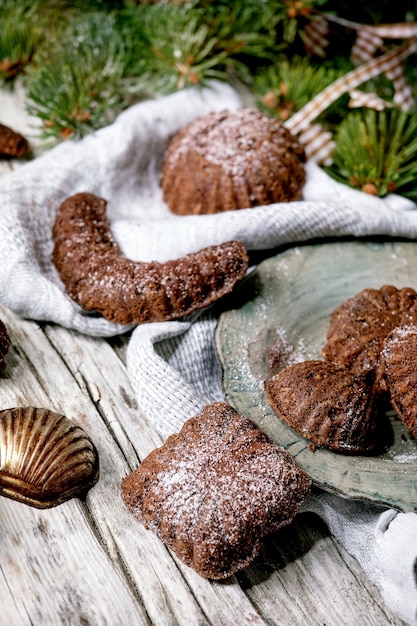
pixel 79 87
pixel 376 151
pixel 19 37
pixel 286 86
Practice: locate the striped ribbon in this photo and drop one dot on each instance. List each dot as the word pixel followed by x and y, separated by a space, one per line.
pixel 369 39
pixel 402 30
pixel 318 144
pixel 314 36
pixel 364 99
pixel 366 44
pixel 387 62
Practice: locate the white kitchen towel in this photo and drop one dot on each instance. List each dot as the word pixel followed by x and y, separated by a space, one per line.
pixel 172 365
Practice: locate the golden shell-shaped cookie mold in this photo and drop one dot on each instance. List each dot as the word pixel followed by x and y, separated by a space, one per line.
pixel 45 458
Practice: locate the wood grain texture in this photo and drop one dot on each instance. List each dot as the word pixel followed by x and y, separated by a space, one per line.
pixel 90 563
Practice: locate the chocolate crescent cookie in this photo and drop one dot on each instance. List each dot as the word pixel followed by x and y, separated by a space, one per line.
pixel 232 160
pixel 359 326
pixel 327 405
pixel 214 489
pixel 100 278
pixel 399 358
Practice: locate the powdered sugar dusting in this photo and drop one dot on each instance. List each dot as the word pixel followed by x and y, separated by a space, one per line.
pixel 236 141
pixel 100 278
pixel 212 491
pixel 397 337
pixel 281 353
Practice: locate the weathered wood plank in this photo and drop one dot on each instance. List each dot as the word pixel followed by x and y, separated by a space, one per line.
pixel 57 575
pixel 53 561
pixel 305 557
pixel 38 375
pixel 80 543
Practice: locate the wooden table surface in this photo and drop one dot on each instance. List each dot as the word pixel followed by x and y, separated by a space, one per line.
pixel 89 562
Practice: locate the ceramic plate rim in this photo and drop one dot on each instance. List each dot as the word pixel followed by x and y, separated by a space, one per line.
pixel 357 477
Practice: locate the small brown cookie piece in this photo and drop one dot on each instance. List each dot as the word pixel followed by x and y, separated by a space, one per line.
pixel 359 326
pixel 13 145
pixel 327 405
pixel 4 346
pixel 214 489
pixel 100 278
pixel 399 358
pixel 231 160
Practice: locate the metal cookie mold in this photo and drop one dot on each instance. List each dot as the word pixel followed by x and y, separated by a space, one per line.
pixel 45 458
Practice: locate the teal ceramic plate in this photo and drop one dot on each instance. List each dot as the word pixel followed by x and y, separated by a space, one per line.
pixel 286 303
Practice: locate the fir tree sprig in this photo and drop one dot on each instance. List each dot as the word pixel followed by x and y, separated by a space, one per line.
pixel 376 152
pixel 86 60
pixel 19 37
pixel 79 87
pixel 176 47
pixel 252 29
pixel 170 48
pixel 286 86
pixel 78 81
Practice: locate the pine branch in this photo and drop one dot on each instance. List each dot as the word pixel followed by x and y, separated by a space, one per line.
pixel 285 87
pixel 78 86
pixel 176 47
pixel 171 48
pixel 19 37
pixel 376 151
pixel 86 60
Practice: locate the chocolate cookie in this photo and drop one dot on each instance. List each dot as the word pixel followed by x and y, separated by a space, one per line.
pixel 359 326
pixel 329 406
pixel 231 160
pixel 4 345
pixel 12 144
pixel 100 278
pixel 214 489
pixel 399 358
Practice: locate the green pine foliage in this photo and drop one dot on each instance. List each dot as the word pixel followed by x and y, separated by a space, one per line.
pixel 83 61
pixel 252 31
pixel 19 37
pixel 79 87
pixel 284 87
pixel 175 47
pixel 376 152
pixel 171 48
pixel 94 58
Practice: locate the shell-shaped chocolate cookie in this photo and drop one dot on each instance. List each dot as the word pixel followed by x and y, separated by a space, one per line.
pixel 399 358
pixel 359 326
pixel 45 458
pixel 327 405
